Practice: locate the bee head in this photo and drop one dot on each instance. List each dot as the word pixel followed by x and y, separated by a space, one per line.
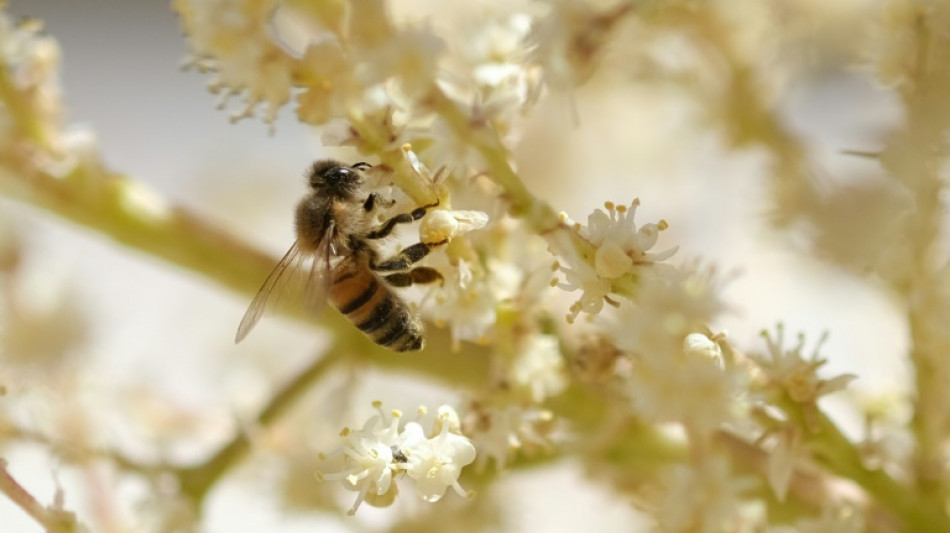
pixel 334 178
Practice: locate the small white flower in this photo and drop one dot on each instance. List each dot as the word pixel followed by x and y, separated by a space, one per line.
pixel 539 367
pixel 232 39
pixel 686 386
pixel 698 344
pixel 789 450
pixel 793 372
pixel 32 62
pixel 435 464
pixel 444 225
pixel 368 457
pixel 704 498
pixel 501 431
pixel 617 248
pixel 374 455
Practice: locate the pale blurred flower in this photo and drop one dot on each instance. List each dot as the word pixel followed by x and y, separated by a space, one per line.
pixel 32 62
pixel 501 431
pixel 465 303
pixel 410 57
pixel 702 498
pixel 231 39
pixel 666 309
pixel 797 375
pixel 788 452
pixel 698 344
pixel 539 367
pixel 686 386
pixel 569 39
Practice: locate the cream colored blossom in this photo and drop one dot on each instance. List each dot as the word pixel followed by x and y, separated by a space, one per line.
pixel 539 367
pixel 32 62
pixel 685 386
pixel 444 225
pixel 703 498
pixel 372 456
pixel 499 432
pixel 796 374
pixel 619 249
pixel 435 464
pixel 231 39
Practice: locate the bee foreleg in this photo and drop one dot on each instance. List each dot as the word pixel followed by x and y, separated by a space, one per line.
pixel 418 275
pixel 406 258
pixel 373 199
pixel 388 226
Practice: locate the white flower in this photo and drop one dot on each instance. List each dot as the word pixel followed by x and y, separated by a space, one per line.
pixel 32 62
pixel 685 386
pixel 617 248
pixel 444 225
pixel 409 56
pixel 698 344
pixel 500 431
pixel 569 38
pixel 465 303
pixel 794 373
pixel 373 456
pixel 435 464
pixel 703 498
pixel 232 39
pixel 789 450
pixel 665 310
pixel 539 367
pixel 368 457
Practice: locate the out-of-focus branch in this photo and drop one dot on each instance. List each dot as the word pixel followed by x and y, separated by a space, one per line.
pixel 53 519
pixel 195 481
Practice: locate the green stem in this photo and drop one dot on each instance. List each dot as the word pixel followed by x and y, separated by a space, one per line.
pixel 838 455
pixel 197 480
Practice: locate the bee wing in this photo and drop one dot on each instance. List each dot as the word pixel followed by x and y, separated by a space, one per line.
pixel 290 277
pixel 279 276
pixel 320 275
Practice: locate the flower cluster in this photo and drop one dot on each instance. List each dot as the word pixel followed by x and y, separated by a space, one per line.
pixel 385 448
pixel 32 130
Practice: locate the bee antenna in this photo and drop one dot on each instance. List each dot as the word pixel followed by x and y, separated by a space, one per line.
pixel 361 165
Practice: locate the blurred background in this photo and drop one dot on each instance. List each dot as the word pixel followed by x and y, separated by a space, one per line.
pixel 162 337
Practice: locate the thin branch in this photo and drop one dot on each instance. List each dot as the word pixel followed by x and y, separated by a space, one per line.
pixel 197 480
pixel 53 519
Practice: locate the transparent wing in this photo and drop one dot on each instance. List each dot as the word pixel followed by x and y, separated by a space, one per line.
pixel 281 274
pixel 292 279
pixel 320 275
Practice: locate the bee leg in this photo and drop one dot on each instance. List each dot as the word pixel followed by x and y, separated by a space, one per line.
pixel 373 199
pixel 418 275
pixel 388 226
pixel 406 258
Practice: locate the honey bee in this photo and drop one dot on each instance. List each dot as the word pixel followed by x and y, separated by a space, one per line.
pixel 334 228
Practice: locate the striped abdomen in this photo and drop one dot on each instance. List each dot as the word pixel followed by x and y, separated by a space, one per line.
pixel 372 306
